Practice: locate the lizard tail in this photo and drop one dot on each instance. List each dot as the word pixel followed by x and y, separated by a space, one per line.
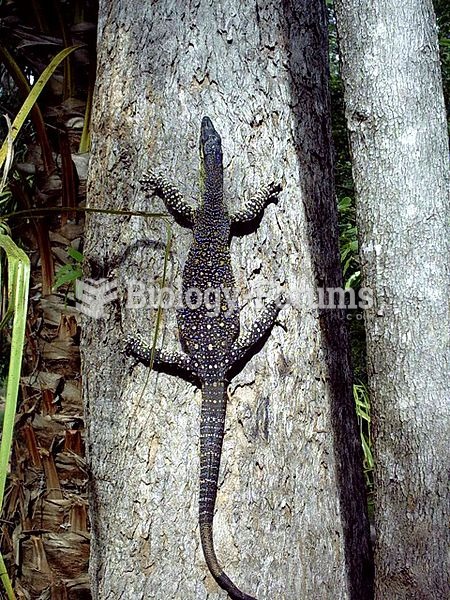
pixel 211 435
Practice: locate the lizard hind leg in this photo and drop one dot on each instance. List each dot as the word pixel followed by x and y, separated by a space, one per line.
pixel 137 347
pixel 260 327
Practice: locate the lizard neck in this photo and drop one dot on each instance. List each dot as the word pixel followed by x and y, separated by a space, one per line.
pixel 213 215
pixel 213 190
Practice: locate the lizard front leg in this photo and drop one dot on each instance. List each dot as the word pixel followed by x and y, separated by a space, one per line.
pixel 138 348
pixel 254 205
pixel 172 197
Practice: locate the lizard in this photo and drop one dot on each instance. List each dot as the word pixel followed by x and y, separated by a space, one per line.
pixel 210 339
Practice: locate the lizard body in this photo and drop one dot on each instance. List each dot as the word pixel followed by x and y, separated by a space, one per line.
pixel 210 338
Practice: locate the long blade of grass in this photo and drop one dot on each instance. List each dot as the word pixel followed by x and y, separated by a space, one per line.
pixel 32 97
pixel 18 275
pixel 36 116
pixel 5 580
pixel 9 154
pixel 18 283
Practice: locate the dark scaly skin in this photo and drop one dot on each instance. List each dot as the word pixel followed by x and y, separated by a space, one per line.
pixel 210 337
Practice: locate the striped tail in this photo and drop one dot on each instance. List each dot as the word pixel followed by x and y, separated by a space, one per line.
pixel 214 403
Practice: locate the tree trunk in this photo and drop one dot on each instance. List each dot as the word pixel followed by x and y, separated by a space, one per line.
pixel 290 519
pixel 396 118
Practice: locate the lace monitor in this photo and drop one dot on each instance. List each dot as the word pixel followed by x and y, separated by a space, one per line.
pixel 210 339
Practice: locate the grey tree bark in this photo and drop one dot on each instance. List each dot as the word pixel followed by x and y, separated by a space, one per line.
pixel 290 519
pixel 396 117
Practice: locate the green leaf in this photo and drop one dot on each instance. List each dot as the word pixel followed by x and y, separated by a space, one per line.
pixel 354 280
pixel 67 274
pixel 75 254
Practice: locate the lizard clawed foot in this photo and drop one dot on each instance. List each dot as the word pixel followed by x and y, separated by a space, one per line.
pixel 149 181
pixel 274 189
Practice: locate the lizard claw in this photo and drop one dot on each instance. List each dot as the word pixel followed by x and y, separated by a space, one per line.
pixel 274 189
pixel 132 344
pixel 281 300
pixel 127 345
pixel 149 181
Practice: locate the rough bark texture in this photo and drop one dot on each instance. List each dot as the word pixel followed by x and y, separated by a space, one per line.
pixel 396 117
pixel 290 519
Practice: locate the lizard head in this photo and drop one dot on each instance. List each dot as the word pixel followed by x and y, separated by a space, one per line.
pixel 210 144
